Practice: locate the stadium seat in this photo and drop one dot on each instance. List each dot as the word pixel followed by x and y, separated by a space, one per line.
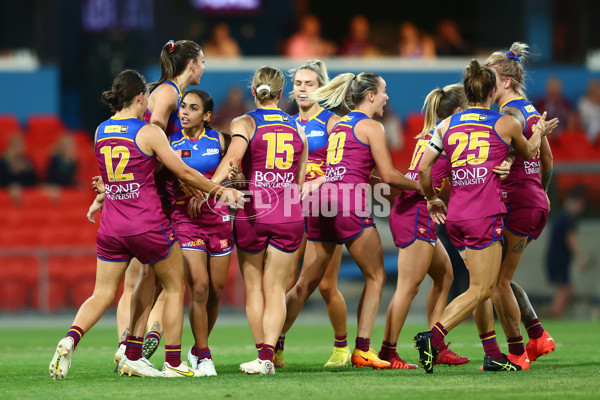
pixel 9 123
pixel 43 126
pixel 76 275
pixel 18 282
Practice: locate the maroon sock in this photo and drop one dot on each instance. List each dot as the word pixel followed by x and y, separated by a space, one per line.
pixel 258 347
pixel 280 342
pixel 387 349
pixel 439 333
pixel 173 355
pixel 204 353
pixel 515 345
pixel 153 334
pixel 76 333
pixel 362 343
pixel 490 345
pixel 266 353
pixel 195 350
pixel 341 341
pixel 534 329
pixel 134 347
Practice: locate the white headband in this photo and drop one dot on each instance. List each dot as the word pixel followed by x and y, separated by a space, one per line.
pixel 261 87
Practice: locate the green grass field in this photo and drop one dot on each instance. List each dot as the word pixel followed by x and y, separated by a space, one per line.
pixel 573 371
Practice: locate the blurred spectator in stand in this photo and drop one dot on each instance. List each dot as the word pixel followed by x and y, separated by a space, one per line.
pixel 235 105
pixel 448 40
pixel 291 25
pixel 357 43
pixel 589 109
pixel 16 169
pixel 62 168
pixel 392 124
pixel 221 43
pixel 555 104
pixel 564 248
pixel 307 42
pixel 413 44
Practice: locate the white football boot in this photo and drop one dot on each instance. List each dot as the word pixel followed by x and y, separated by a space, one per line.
pixel 61 362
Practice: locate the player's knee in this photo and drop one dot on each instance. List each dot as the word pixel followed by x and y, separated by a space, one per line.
pixel 199 293
pixel 326 289
pixel 376 278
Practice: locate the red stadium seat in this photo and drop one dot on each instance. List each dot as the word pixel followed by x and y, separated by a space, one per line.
pixel 77 276
pixel 18 283
pixel 45 126
pixel 9 123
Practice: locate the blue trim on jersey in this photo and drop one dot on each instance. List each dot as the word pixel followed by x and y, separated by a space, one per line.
pixel 316 123
pixel 205 152
pixel 133 125
pixel 258 116
pixel 364 116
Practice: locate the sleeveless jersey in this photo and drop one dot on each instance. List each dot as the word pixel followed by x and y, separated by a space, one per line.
pixel 204 155
pixel 474 149
pixel 270 165
pixel 315 129
pixel 348 159
pixel 349 165
pixel 131 204
pixel 523 186
pixel 173 124
pixel 440 170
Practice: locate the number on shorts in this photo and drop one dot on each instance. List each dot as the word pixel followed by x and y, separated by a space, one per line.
pixel 335 148
pixel 122 153
pixel 474 142
pixel 278 143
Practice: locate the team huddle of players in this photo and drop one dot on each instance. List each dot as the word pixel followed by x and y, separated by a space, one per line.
pixel 159 157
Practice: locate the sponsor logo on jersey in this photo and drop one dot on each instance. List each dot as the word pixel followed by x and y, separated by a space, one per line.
pixel 532 167
pixel 498 231
pixel 210 152
pixel 122 191
pixel 469 176
pixel 334 174
pixel 273 179
pixel 530 108
pixel 195 147
pixel 473 117
pixel 116 129
pixel 226 243
pixel 316 134
pixel 276 117
pixel 194 243
pixel 186 153
pixel 422 231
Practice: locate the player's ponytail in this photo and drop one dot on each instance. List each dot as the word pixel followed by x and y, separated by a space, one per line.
pixel 442 103
pixel 174 58
pixel 479 81
pixel 509 64
pixel 347 90
pixel 268 83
